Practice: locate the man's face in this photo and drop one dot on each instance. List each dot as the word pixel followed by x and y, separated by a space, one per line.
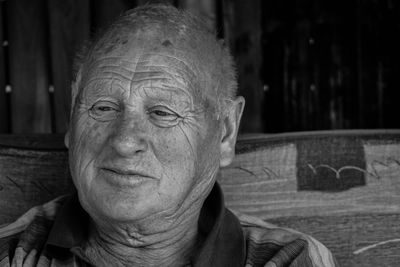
pixel 143 138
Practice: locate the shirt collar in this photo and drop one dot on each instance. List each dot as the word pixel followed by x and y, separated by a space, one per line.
pixel 70 225
pixel 223 245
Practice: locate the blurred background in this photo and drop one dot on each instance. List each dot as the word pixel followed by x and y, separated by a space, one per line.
pixel 302 64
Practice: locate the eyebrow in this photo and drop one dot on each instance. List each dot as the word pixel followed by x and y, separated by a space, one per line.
pixel 167 92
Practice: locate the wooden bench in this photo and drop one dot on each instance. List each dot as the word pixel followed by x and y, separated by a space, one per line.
pixel 342 187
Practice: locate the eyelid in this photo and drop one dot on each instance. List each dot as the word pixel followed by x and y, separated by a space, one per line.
pixel 104 115
pixel 164 109
pixel 170 119
pixel 113 102
pixel 105 103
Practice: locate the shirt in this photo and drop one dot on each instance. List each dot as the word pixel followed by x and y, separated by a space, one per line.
pixel 50 236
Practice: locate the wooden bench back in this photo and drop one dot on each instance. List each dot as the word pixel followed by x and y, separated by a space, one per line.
pixel 342 187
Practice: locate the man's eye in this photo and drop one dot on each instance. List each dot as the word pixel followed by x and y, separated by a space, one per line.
pixel 162 115
pixel 104 110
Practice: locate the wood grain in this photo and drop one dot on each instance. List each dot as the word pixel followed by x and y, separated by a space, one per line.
pixel 105 11
pixel 3 98
pixel 28 54
pixel 69 22
pixel 30 106
pixel 243 28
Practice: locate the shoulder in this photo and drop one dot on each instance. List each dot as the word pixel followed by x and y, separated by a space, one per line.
pixel 29 231
pixel 46 211
pixel 270 245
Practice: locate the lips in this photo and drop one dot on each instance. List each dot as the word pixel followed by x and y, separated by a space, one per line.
pixel 124 177
pixel 126 172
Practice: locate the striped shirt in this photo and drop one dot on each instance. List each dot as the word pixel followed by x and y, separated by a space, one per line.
pixel 51 235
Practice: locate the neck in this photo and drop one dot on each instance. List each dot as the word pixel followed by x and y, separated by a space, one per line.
pixel 127 245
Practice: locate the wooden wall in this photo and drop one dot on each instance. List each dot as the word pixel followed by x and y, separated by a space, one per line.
pixel 302 65
pixel 330 64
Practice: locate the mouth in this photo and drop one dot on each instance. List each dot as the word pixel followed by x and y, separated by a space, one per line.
pixel 125 172
pixel 124 177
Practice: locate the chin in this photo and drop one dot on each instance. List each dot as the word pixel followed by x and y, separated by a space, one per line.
pixel 121 208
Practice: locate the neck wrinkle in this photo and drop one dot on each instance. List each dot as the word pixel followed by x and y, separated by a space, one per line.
pixel 166 248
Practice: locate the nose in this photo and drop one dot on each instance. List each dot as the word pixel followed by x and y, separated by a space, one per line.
pixel 129 138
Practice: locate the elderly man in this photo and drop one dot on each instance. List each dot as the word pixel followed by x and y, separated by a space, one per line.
pixel 154 117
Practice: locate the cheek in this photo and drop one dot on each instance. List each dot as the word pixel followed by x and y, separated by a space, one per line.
pixel 187 155
pixel 176 157
pixel 174 151
pixel 88 137
pixel 209 150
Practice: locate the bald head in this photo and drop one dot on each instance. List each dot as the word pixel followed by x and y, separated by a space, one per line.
pixel 184 36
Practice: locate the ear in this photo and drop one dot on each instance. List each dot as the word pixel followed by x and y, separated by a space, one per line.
pixel 66 139
pixel 75 90
pixel 230 128
pixel 74 94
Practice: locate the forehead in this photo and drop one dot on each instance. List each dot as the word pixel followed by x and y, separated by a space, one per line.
pixel 146 59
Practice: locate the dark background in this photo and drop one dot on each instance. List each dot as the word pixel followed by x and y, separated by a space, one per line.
pixel 302 64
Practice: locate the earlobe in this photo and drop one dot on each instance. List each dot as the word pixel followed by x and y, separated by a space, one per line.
pixel 66 139
pixel 230 130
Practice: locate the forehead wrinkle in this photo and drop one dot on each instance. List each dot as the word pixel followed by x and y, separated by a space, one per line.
pixel 181 73
pixel 187 76
pixel 115 75
pixel 92 87
pixel 178 70
pixel 136 63
pixel 186 68
pixel 164 70
pixel 109 61
pixel 171 57
pixel 170 91
pixel 96 68
pixel 169 98
pixel 97 84
pixel 128 74
pixel 145 76
pixel 110 86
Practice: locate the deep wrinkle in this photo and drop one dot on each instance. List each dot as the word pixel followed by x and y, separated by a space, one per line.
pixel 173 72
